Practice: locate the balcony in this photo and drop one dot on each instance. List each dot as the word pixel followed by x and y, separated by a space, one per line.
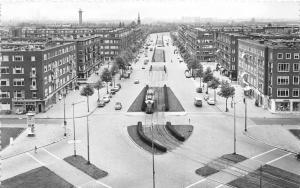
pixel 33 87
pixel 32 75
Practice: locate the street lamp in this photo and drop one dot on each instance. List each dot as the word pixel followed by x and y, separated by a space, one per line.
pixel 153 167
pixel 234 129
pixel 74 134
pixel 245 102
pixel 65 122
pixel 88 136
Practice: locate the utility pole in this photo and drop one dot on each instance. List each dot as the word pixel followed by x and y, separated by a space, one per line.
pixel 74 138
pixel 245 101
pixel 65 122
pixel 153 167
pixel 88 133
pixel 234 129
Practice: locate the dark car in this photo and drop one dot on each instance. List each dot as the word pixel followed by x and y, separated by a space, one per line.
pixel 101 103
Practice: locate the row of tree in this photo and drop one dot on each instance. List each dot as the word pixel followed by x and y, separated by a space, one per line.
pixel 196 70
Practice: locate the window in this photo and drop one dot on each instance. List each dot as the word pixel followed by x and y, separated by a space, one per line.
pixel 4 82
pixel 296 55
pixel 32 58
pixel 18 58
pixel 34 94
pixel 45 56
pixel 5 58
pixel 282 92
pixel 282 80
pixel 4 70
pixel 288 55
pixel 296 80
pixel 45 68
pixel 283 67
pixel 279 56
pixel 18 82
pixel 19 94
pixel 296 67
pixel 295 92
pixel 18 70
pixel 4 95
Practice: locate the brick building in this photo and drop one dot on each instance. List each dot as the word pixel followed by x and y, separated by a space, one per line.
pixel 198 42
pixel 270 68
pixel 35 73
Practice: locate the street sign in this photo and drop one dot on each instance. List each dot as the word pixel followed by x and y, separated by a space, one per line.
pixel 72 141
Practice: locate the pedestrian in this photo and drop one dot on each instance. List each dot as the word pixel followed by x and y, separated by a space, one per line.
pixel 35 149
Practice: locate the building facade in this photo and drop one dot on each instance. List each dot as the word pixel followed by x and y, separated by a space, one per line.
pixel 36 74
pixel 270 68
pixel 198 42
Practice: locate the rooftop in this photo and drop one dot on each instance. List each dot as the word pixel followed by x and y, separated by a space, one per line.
pixel 276 43
pixel 29 44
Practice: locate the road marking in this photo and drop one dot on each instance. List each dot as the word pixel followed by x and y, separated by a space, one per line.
pixel 219 186
pixel 278 158
pixel 34 158
pixel 196 183
pixel 97 181
pixel 263 153
pixel 56 157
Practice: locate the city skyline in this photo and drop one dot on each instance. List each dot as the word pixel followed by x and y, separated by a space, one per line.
pixel 164 10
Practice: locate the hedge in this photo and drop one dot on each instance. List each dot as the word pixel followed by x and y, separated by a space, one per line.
pixel 174 132
pixel 147 140
pixel 144 105
pixel 166 98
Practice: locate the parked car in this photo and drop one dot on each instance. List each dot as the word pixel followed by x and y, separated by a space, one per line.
pixel 143 67
pixel 118 106
pixel 119 86
pixel 101 103
pixel 199 89
pixel 206 97
pixel 188 75
pixel 20 111
pixel 106 98
pixel 113 91
pixel 211 101
pixel 197 102
pixel 136 82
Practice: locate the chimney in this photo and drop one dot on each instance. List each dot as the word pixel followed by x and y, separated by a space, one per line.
pixel 80 16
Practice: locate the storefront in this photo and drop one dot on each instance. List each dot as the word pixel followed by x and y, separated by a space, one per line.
pixel 284 105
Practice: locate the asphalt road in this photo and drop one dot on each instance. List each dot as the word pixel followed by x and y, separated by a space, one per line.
pixel 128 165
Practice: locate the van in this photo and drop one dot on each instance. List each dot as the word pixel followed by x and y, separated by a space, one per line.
pixel 198 102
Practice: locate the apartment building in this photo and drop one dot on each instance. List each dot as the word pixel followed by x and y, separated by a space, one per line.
pixel 35 73
pixel 227 52
pixel 198 42
pixel 270 69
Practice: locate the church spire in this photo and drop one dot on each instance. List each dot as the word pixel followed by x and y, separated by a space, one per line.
pixel 139 19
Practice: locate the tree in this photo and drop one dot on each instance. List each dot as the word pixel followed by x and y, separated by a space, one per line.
pixel 87 91
pixel 226 91
pixel 207 77
pixel 114 70
pixel 214 84
pixel 120 62
pixel 199 72
pixel 98 85
pixel 106 77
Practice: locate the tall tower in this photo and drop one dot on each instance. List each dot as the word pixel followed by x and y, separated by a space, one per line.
pixel 139 20
pixel 80 16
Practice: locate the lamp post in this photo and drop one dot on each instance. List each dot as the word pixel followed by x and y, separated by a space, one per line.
pixel 153 163
pixel 74 133
pixel 65 122
pixel 234 129
pixel 245 102
pixel 88 136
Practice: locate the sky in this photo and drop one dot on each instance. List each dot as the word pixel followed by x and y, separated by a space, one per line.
pixel 67 10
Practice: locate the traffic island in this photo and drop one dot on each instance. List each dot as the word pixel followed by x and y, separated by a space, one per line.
pixel 7 133
pixel 81 164
pixel 36 178
pixel 219 164
pixel 295 132
pixel 268 176
pixel 160 136
pixel 161 94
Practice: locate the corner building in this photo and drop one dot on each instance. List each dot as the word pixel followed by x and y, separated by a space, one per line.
pixel 35 73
